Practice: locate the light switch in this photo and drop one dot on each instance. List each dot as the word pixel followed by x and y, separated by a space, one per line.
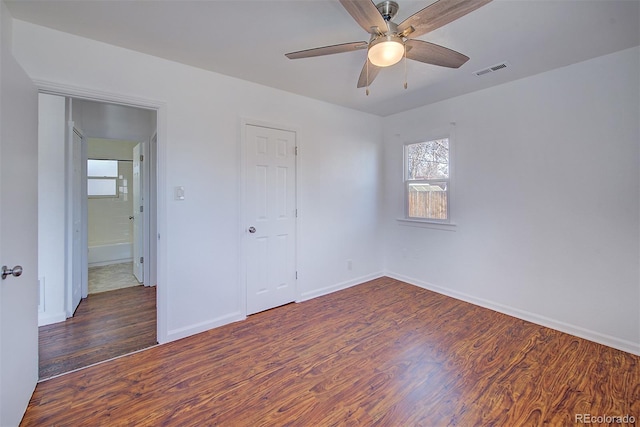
pixel 180 193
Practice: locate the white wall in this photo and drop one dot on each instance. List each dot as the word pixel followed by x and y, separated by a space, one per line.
pixel 110 121
pixel 110 149
pixel 338 175
pixel 546 200
pixel 51 208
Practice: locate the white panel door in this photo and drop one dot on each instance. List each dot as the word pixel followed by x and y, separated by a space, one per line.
pixel 138 214
pixel 18 234
pixel 75 264
pixel 270 169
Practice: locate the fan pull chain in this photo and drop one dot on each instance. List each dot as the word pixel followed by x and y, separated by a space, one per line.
pixel 405 66
pixel 367 91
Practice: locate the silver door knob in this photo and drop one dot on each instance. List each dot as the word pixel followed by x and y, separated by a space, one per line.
pixel 252 229
pixel 15 271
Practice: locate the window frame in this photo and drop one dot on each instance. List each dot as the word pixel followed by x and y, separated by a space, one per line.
pixel 102 178
pixel 406 182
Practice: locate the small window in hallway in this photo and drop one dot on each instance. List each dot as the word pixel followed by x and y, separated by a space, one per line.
pixel 102 178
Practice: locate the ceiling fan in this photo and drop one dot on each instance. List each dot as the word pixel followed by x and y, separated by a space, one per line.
pixel 390 42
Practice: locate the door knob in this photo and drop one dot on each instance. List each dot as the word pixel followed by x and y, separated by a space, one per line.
pixel 15 271
pixel 252 229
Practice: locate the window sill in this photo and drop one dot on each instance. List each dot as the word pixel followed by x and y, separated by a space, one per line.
pixel 447 226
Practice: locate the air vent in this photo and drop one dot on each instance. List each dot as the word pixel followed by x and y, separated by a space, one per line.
pixel 491 69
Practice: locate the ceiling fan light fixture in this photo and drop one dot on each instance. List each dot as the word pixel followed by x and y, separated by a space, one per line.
pixel 386 50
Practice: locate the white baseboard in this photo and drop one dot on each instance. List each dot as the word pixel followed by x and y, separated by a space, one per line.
pixel 179 333
pixel 610 341
pixel 305 296
pixel 50 318
pixel 113 253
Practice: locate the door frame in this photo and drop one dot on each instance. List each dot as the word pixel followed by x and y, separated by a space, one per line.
pixel 242 206
pixel 140 191
pixel 160 225
pixel 75 257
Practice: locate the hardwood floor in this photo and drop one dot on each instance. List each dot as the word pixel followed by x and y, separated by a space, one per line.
pixel 383 353
pixel 105 325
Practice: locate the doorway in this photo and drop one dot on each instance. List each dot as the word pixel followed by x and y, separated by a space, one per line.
pixel 107 217
pixel 114 221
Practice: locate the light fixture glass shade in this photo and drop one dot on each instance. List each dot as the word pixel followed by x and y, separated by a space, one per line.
pixel 386 51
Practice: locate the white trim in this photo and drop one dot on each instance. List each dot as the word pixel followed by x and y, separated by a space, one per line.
pixel 151 276
pixel 97 363
pixel 339 286
pixel 242 247
pixel 162 260
pixel 50 318
pixel 412 222
pixel 608 340
pixel 442 133
pixel 55 88
pixel 176 334
pixel 242 205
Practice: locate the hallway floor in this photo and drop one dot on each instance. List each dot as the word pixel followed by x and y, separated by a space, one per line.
pixel 110 277
pixel 105 325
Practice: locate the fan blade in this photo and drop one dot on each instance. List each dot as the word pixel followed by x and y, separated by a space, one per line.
pixel 365 13
pixel 367 76
pixel 327 50
pixel 434 54
pixel 438 14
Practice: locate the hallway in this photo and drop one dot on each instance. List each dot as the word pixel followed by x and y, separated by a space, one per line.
pixel 106 325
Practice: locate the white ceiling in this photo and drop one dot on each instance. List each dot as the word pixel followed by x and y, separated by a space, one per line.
pixel 248 39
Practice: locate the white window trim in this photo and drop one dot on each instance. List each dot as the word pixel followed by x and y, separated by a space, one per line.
pixel 449 224
pixel 425 223
pixel 105 196
pixel 114 178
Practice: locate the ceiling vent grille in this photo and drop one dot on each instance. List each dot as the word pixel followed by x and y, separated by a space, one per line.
pixel 491 69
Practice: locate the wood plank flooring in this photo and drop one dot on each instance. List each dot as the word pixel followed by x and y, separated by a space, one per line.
pixel 383 353
pixel 105 325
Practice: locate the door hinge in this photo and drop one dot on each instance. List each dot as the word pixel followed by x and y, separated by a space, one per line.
pixel 141 157
pixel 141 208
pixel 141 260
pixel 296 150
pixel 296 213
pixel 296 275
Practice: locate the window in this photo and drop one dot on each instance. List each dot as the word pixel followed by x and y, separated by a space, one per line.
pixel 102 178
pixel 426 180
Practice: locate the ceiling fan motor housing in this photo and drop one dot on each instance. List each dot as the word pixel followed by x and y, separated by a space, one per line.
pixel 388 9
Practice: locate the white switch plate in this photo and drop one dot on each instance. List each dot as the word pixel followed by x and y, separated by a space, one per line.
pixel 180 193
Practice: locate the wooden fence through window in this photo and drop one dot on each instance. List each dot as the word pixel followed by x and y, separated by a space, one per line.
pixel 427 204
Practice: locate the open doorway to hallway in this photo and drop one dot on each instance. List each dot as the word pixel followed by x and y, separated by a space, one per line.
pixel 97 269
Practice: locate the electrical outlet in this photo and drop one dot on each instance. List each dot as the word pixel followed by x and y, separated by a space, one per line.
pixel 349 264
